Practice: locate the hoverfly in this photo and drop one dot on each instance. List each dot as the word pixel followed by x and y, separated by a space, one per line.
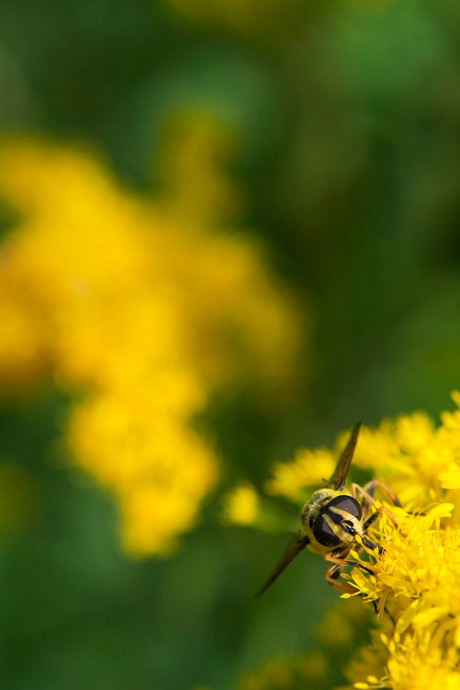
pixel 333 521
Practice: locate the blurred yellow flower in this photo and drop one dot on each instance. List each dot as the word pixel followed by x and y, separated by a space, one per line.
pixel 241 505
pixel 156 466
pixel 290 479
pixel 142 316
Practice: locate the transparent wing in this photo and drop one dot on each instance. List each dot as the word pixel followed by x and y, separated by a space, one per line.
pixel 337 481
pixel 297 544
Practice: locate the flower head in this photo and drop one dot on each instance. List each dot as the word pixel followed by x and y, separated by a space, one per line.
pixel 139 316
pixel 409 566
pixel 241 505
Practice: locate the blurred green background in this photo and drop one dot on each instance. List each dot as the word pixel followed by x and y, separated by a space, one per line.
pixel 346 118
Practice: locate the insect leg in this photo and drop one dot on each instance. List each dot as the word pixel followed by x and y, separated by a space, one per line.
pixel 369 498
pixel 332 575
pixel 366 524
pixel 372 518
pixel 345 561
pixel 336 569
pixel 371 486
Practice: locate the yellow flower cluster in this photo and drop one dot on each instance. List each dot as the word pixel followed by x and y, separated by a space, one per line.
pixel 418 459
pixel 414 583
pixel 141 317
pixel 291 479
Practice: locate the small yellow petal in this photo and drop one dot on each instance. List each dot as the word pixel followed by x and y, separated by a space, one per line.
pixel 406 618
pixel 450 479
pixel 424 618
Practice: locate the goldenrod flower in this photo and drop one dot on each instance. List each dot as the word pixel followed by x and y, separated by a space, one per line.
pixel 241 505
pixel 419 459
pixel 308 469
pixel 142 316
pixel 414 583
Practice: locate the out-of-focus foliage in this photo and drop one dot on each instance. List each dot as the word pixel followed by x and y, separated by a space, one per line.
pixel 264 19
pixel 315 138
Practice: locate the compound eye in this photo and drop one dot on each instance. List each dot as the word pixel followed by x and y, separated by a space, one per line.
pixel 323 533
pixel 321 530
pixel 346 503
